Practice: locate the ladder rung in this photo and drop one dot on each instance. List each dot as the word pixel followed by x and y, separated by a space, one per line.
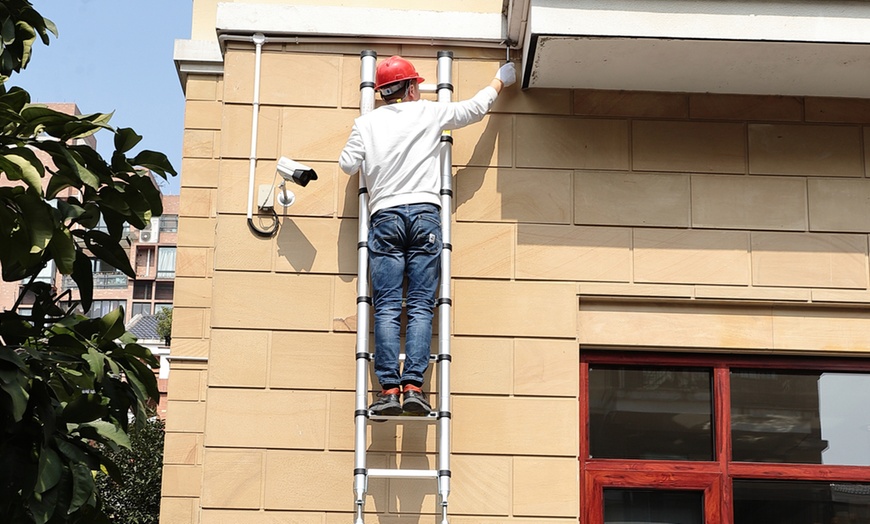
pixel 403 473
pixel 432 357
pixel 429 417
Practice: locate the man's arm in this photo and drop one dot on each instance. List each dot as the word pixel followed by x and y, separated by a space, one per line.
pixel 353 153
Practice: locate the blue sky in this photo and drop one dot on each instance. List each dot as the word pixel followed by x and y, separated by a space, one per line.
pixel 116 55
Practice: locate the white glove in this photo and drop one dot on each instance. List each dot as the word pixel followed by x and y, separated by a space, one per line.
pixel 507 74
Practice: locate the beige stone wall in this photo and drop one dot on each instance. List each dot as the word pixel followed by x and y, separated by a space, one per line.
pixel 680 221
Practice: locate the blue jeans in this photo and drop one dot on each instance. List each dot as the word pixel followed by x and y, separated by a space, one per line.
pixel 404 241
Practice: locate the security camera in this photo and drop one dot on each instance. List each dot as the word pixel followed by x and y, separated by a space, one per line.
pixel 295 172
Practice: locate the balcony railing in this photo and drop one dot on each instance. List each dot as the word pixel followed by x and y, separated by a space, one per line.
pixel 101 281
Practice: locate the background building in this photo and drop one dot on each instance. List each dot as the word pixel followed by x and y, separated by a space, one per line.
pixel 152 255
pixel 660 260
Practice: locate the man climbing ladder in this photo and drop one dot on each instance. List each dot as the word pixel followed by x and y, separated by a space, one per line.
pixel 400 144
pixel 403 154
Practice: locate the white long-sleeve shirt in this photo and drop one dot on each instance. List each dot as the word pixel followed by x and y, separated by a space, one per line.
pixel 399 144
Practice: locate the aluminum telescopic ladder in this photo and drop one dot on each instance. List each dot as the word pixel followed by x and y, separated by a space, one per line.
pixel 362 416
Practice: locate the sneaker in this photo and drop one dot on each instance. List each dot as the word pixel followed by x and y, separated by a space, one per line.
pixel 387 403
pixel 414 401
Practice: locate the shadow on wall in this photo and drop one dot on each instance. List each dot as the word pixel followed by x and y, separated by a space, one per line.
pixel 481 156
pixel 295 247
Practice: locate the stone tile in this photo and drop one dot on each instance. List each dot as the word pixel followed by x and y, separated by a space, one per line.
pixel 238 75
pixel 236 131
pixel 679 256
pixel 777 294
pixel 483 250
pixel 633 104
pixel 348 195
pixel 181 481
pixel 741 202
pixel 312 360
pixel 487 143
pixel 199 172
pixel 840 295
pixel 238 358
pixel 809 260
pixel 544 309
pixel 199 143
pixel 546 367
pixel 232 479
pixel 185 417
pixel 482 365
pixel 344 307
pixel 190 347
pixel 634 290
pixel 668 325
pixel 192 292
pixel 312 134
pixel 513 195
pixel 839 205
pixel 571 143
pixel 174 510
pixel 573 253
pixel 299 79
pixel 189 322
pixel 705 147
pixel 350 81
pixel 201 87
pixel 805 150
pixel 296 419
pixel 822 330
pixel 195 232
pixel 182 448
pixel 625 199
pixel 318 481
pixel 202 114
pixel 745 107
pixel 317 245
pixel 185 385
pixel 197 202
pixel 239 298
pixel 845 110
pixel 480 485
pixel 235 516
pixel 545 487
pixel 515 426
pixel 237 248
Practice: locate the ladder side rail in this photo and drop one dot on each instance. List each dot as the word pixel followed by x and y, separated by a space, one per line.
pixel 368 61
pixel 445 94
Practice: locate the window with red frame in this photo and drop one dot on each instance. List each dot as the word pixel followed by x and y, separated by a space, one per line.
pixel 716 439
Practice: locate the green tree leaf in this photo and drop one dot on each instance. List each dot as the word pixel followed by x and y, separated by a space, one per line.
pixel 50 470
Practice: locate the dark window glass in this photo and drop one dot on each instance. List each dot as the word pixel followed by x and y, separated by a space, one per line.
pixel 142 289
pixel 653 413
pixel 796 502
pixel 800 417
pixel 140 308
pixel 631 506
pixel 101 308
pixel 164 290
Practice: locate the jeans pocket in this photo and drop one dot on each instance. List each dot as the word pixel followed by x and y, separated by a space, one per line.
pixel 384 233
pixel 427 234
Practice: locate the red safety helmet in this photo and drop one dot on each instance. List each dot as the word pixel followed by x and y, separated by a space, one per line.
pixel 395 69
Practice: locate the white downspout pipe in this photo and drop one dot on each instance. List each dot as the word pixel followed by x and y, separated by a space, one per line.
pixel 259 39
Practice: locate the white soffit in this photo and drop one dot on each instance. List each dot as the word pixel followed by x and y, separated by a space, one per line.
pixel 307 20
pixel 819 48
